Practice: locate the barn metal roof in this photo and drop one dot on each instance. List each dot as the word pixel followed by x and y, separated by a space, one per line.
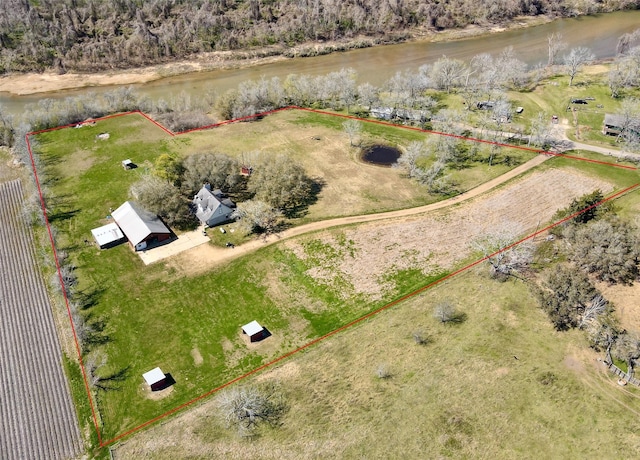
pixel 137 223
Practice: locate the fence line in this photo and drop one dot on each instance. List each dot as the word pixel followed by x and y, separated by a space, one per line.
pixel 622 374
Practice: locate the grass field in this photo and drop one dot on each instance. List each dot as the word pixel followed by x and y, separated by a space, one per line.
pixel 190 325
pixel 502 384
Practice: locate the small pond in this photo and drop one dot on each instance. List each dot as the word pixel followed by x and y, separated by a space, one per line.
pixel 380 155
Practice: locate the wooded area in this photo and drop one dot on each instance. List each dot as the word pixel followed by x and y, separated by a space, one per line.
pixel 84 35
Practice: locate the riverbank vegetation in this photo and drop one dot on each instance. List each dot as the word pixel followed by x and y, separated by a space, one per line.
pixel 89 35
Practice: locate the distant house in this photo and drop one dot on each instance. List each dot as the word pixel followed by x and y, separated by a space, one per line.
pixel 411 115
pixel 382 113
pixel 213 207
pixel 614 124
pixel 141 227
pixel 255 332
pixel 246 170
pixel 108 235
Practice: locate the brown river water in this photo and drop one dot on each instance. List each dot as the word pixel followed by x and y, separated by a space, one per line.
pixel 599 33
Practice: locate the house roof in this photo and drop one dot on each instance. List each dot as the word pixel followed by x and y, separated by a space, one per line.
pixel 137 223
pixel 612 119
pixel 252 328
pixel 153 376
pixel 106 234
pixel 207 203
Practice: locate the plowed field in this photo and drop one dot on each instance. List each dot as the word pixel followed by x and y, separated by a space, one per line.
pixel 37 417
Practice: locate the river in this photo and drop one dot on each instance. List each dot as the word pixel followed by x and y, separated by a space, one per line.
pixel 599 33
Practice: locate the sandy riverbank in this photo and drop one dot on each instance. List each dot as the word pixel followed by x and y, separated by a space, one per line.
pixel 32 83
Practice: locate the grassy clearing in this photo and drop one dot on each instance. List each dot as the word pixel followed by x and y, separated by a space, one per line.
pixel 463 395
pixel 553 97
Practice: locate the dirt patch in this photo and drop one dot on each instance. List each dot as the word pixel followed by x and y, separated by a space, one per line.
pixel 80 161
pixel 287 371
pixel 626 300
pixel 156 395
pixel 197 357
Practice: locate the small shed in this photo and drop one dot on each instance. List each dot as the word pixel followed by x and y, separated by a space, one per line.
pixel 156 379
pixel 128 164
pixel 254 331
pixel 108 236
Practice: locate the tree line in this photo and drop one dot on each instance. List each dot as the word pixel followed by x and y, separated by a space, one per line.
pixel 596 244
pixel 90 35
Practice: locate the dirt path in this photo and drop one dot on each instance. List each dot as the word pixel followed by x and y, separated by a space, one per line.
pixel 204 257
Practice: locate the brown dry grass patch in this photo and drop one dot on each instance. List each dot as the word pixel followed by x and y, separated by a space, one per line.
pixel 436 241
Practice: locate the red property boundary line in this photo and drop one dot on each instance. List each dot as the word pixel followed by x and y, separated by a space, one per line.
pixel 329 334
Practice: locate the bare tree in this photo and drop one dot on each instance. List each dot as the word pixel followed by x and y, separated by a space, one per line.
pixel 246 408
pixel 93 363
pixel 577 58
pixel 410 160
pixel 257 216
pixel 447 72
pixel 352 128
pixel 504 257
pixel 627 41
pixel 420 337
pixel 540 130
pixel 555 45
pixel 7 131
pixel 444 312
pixel 593 310
pixel 629 123
pixel 383 371
pixel 368 95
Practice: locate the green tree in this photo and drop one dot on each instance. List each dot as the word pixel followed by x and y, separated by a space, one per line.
pixel 564 295
pixel 165 200
pixel 169 168
pixel 608 248
pixel 280 182
pixel 219 170
pixel 588 203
